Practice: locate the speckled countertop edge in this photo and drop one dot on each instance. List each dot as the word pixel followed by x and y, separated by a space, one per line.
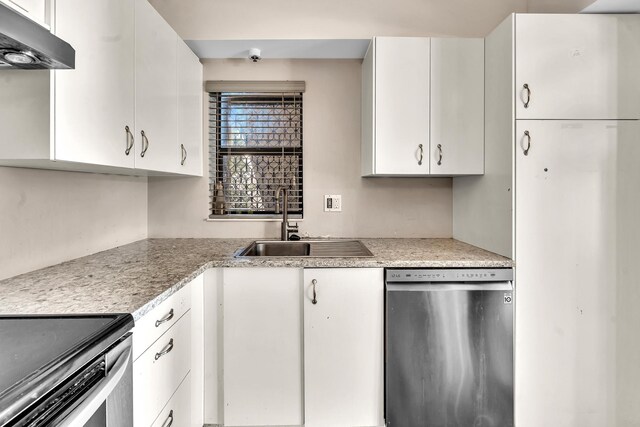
pixel 137 277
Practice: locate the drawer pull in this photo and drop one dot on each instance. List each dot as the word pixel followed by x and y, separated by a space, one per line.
pixel 314 301
pixel 169 421
pixel 167 349
pixel 166 318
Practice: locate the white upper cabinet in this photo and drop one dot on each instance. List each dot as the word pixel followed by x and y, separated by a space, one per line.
pixel 94 102
pixel 156 93
pixel 190 93
pixel 577 66
pixel 128 79
pixel 33 9
pixel 401 105
pixel 343 347
pixel 457 106
pixel 422 107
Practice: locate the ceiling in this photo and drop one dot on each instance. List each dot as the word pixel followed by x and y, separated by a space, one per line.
pixel 282 49
pixel 613 6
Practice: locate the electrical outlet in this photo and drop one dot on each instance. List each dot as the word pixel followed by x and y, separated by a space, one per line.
pixel 332 203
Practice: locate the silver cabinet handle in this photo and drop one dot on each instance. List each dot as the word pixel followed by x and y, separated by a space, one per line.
pixel 165 318
pixel 167 349
pixel 526 87
pixel 440 153
pixel 184 154
pixel 145 143
pixel 129 140
pixel 421 154
pixel 169 421
pixel 526 150
pixel 314 282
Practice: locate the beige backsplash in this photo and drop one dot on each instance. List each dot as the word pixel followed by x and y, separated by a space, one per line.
pixel 372 207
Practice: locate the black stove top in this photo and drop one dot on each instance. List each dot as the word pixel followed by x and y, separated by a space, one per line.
pixel 35 348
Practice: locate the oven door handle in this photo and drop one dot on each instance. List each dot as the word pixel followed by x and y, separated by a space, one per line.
pixel 98 395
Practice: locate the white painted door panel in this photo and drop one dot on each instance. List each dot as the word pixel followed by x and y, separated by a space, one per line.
pixel 343 347
pixel 34 9
pixel 457 106
pixel 213 346
pixel 578 66
pixel 156 91
pixel 95 101
pixel 190 92
pixel 401 105
pixel 262 347
pixel 177 412
pixel 566 252
pixel 196 383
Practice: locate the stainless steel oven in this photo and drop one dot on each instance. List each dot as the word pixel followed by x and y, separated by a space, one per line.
pixel 88 384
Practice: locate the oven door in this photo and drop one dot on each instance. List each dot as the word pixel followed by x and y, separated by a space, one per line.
pixel 110 402
pixel 98 395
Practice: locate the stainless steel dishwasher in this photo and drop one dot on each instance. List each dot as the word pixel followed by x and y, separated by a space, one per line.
pixel 449 348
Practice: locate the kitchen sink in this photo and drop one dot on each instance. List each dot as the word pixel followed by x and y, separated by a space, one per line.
pixel 306 248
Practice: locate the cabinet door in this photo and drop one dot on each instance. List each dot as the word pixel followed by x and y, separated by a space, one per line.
pixel 156 91
pixel 343 347
pixel 34 9
pixel 95 101
pixel 569 213
pixel 577 66
pixel 177 412
pixel 457 106
pixel 262 347
pixel 190 91
pixel 402 106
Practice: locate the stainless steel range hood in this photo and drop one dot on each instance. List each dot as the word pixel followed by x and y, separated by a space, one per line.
pixel 24 44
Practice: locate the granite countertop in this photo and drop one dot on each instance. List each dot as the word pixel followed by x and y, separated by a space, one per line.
pixel 135 278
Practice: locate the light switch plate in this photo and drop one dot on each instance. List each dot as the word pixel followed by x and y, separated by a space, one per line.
pixel 332 203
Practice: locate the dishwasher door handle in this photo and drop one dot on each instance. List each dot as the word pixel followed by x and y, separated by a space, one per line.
pixel 454 286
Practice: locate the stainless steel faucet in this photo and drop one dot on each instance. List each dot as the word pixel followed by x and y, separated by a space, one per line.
pixel 284 228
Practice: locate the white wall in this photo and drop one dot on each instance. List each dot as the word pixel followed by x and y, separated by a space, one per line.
pixel 372 207
pixel 47 217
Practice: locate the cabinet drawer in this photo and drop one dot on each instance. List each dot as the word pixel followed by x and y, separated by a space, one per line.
pixel 160 370
pixel 178 410
pixel 155 323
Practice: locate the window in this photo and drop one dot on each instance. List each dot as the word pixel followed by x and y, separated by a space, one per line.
pixel 255 147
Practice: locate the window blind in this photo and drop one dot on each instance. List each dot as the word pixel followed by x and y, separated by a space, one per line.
pixel 255 148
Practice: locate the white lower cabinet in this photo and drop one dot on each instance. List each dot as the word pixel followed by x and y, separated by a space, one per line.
pixel 168 361
pixel 269 356
pixel 177 412
pixel 160 370
pixel 343 347
pixel 262 347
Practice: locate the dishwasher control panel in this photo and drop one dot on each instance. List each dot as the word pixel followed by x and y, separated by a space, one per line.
pixel 450 275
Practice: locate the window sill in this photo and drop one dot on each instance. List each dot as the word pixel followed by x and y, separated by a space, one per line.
pixel 240 218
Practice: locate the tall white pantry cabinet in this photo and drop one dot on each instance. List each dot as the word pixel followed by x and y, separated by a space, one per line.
pixel 560 195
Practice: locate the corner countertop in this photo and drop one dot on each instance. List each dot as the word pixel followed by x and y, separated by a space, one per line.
pixel 135 278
